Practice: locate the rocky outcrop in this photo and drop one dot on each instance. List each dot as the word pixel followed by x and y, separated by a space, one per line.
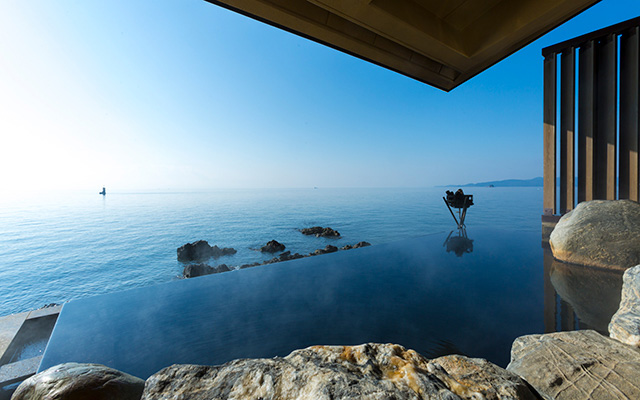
pixel 194 270
pixel 272 246
pixel 599 233
pixel 328 249
pixel 319 231
pixel 577 365
pixel 201 251
pixel 80 381
pixel 625 324
pixel 369 371
pixel 355 246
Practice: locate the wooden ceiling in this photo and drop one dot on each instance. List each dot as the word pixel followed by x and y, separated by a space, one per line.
pixel 442 43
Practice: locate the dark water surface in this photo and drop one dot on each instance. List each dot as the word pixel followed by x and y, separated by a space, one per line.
pixel 413 292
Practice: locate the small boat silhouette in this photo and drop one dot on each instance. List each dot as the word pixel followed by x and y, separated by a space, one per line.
pixel 104 191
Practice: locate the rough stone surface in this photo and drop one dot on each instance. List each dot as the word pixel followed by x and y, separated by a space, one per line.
pixel 594 293
pixel 272 246
pixel 319 231
pixel 625 324
pixel 370 371
pixel 71 381
pixel 577 365
pixel 600 233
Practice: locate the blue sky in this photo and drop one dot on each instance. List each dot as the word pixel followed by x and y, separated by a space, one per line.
pixel 179 95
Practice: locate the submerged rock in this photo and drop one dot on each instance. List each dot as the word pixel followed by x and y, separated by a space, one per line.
pixel 369 371
pixel 599 233
pixel 272 246
pixel 201 250
pixel 577 365
pixel 80 381
pixel 319 231
pixel 625 324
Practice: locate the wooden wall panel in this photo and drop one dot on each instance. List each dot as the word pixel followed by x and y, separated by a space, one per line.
pixel 549 134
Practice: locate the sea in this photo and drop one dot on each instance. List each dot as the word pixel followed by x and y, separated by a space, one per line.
pixel 59 247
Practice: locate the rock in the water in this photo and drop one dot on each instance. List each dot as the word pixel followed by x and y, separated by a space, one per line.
pixel 71 381
pixel 625 324
pixel 577 365
pixel 355 246
pixel 196 251
pixel 200 251
pixel 194 270
pixel 328 249
pixel 369 371
pixel 319 231
pixel 600 233
pixel 594 293
pixel 272 246
pixel 243 266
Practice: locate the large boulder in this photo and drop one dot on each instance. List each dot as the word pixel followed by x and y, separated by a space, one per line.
pixel 599 233
pixel 625 324
pixel 577 365
pixel 71 381
pixel 369 371
pixel 272 246
pixel 319 231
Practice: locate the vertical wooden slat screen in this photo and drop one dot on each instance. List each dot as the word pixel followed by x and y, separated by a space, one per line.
pixel 605 137
pixel 607 161
pixel 629 106
pixel 567 128
pixel 586 121
pixel 549 201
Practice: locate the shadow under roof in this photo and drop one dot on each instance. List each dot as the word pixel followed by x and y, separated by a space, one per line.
pixel 442 43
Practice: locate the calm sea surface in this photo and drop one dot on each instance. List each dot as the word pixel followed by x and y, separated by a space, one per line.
pixel 57 248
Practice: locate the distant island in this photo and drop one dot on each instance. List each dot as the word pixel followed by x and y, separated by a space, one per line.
pixel 535 182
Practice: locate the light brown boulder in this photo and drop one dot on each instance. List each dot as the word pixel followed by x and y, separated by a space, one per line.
pixel 577 365
pixel 369 371
pixel 625 323
pixel 74 381
pixel 600 233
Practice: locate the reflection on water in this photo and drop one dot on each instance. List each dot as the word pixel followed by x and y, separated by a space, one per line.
pixel 458 243
pixel 414 293
pixel 588 297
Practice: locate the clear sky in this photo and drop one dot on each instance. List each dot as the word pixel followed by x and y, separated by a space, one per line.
pixel 182 94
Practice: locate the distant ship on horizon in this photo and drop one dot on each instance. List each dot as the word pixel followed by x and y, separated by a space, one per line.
pixel 104 191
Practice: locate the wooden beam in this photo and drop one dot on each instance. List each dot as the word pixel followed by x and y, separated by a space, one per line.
pixel 586 121
pixel 549 135
pixel 606 121
pixel 567 129
pixel 629 110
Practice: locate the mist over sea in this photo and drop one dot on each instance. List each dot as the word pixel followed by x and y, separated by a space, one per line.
pixel 62 247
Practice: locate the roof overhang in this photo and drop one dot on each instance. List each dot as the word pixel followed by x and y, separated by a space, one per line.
pixel 442 43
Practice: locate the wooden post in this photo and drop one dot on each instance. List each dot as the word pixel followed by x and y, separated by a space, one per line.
pixel 606 121
pixel 567 129
pixel 549 135
pixel 629 110
pixel 586 122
